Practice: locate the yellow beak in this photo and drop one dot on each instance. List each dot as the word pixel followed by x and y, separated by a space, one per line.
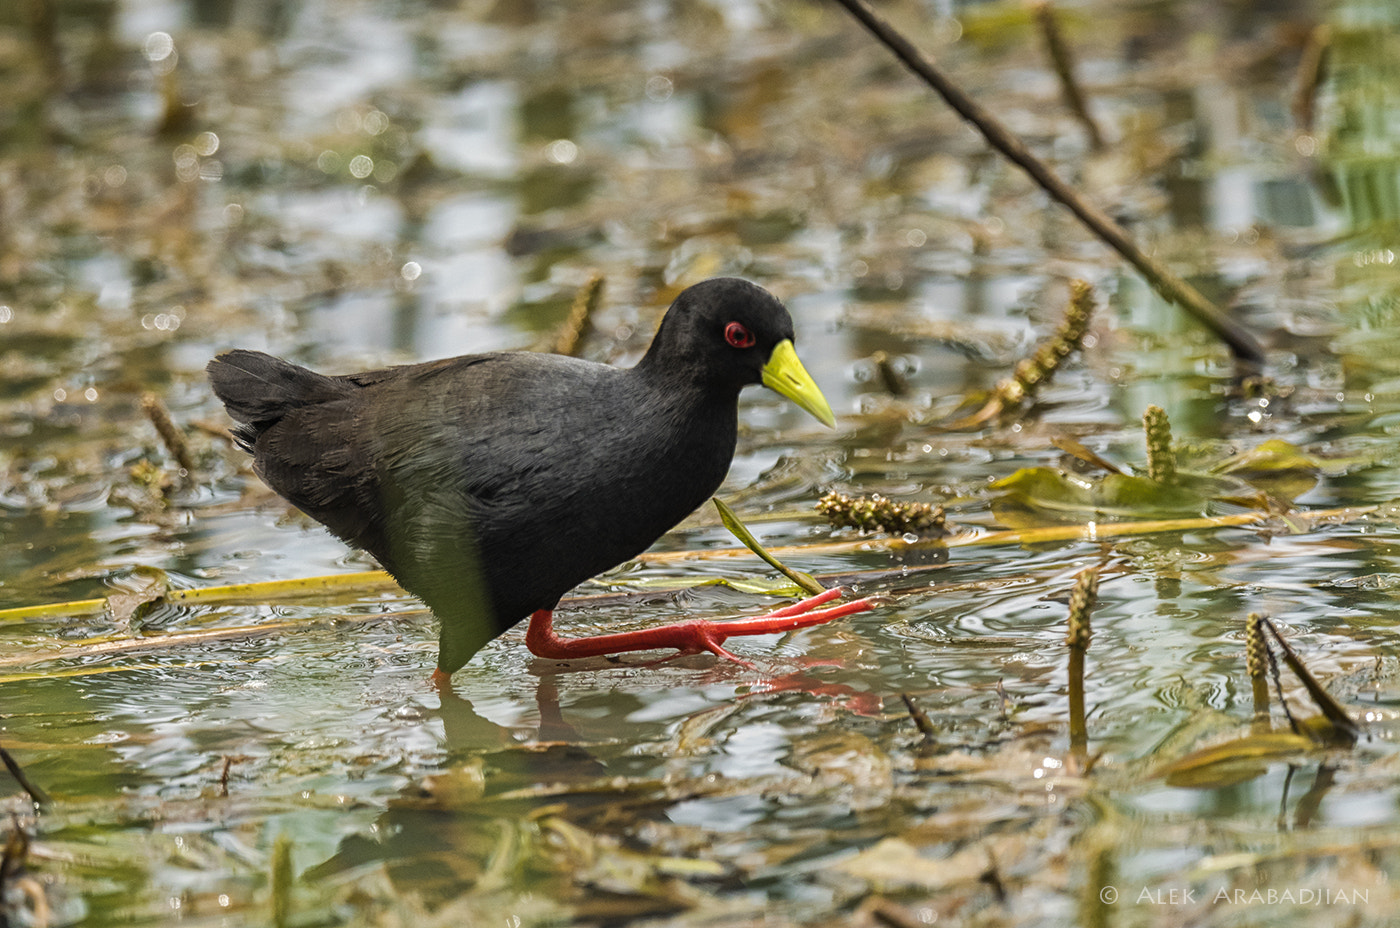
pixel 785 374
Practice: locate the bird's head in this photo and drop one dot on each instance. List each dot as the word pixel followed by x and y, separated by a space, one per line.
pixel 731 331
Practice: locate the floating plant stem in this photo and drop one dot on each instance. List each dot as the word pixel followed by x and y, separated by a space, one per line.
pixel 306 587
pixel 1077 637
pixel 120 645
pixel 257 592
pixel 1165 281
pixel 569 338
pixel 282 875
pixel 741 532
pixel 1161 460
pixel 68 609
pixel 876 513
pixel 91 670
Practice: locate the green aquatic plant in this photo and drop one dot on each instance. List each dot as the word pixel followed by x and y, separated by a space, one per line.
pixel 1175 482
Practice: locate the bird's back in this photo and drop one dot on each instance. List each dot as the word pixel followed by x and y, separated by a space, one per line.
pixel 531 472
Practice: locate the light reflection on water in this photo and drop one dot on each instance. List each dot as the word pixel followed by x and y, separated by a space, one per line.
pixel 504 162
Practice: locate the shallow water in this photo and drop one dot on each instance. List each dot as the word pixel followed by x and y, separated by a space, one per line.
pixel 354 184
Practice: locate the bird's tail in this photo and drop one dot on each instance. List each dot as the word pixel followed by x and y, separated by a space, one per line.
pixel 258 389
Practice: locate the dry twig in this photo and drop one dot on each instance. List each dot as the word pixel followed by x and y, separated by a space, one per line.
pixel 1063 61
pixel 1166 282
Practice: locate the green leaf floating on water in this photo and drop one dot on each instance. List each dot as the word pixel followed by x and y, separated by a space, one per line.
pixel 1234 761
pixel 1273 456
pixel 1282 469
pixel 1264 478
pixel 1033 495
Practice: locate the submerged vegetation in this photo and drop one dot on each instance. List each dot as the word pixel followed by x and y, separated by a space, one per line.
pixel 211 712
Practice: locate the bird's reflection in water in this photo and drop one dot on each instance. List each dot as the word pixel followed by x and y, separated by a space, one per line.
pixel 544 815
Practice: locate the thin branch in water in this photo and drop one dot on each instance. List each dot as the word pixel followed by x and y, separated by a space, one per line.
pixel 920 717
pixel 1256 661
pixel 1312 71
pixel 1063 60
pixel 1165 281
pixel 1278 684
pixel 1341 722
pixel 39 797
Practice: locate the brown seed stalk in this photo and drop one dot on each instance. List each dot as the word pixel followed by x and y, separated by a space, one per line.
pixel 569 339
pixel 876 513
pixel 1078 633
pixel 170 434
pixel 1161 460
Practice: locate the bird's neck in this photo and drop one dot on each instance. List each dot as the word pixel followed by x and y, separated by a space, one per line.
pixel 670 371
pixel 689 401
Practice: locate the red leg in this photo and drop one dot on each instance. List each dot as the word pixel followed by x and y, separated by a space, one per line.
pixel 689 637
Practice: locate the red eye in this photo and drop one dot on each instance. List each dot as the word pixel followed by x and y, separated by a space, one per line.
pixel 738 336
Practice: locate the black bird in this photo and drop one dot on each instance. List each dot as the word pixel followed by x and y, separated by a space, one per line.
pixel 489 485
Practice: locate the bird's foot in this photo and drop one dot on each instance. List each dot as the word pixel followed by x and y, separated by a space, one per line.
pixel 690 637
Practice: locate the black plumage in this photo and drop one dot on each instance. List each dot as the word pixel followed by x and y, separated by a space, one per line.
pixel 491 484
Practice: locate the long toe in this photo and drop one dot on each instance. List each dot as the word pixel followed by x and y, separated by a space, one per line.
pixel 785 620
pixel 712 643
pixel 689 637
pixel 810 602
